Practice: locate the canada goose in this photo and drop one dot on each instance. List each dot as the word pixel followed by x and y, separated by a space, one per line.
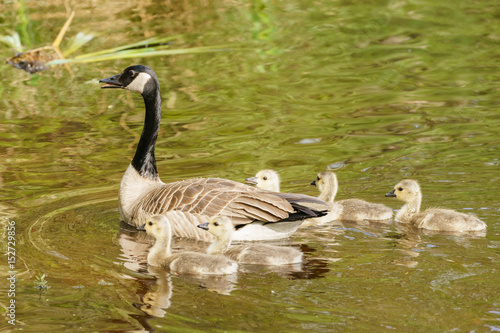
pixel 436 219
pixel 266 179
pixel 256 254
pixel 257 214
pixel 352 209
pixel 161 255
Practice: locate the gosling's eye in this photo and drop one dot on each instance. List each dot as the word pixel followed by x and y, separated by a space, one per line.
pixel 265 178
pixel 150 223
pixel 317 178
pixel 400 189
pixel 216 224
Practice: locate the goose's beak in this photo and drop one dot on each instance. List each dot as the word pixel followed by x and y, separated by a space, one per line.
pixel 111 82
pixel 252 180
pixel 203 226
pixel 313 182
pixel 391 194
pixel 142 227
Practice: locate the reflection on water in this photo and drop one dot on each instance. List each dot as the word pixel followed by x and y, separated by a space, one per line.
pixel 378 91
pixel 154 302
pixel 135 247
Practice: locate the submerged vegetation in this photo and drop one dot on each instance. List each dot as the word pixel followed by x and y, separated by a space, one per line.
pixel 41 284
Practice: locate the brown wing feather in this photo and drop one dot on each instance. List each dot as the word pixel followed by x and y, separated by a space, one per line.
pixel 268 208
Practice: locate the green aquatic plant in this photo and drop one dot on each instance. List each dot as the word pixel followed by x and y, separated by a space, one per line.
pixel 41 284
pixel 152 47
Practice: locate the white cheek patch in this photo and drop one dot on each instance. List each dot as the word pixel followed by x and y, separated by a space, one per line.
pixel 139 82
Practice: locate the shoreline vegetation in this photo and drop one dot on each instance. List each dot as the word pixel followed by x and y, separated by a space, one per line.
pixel 45 57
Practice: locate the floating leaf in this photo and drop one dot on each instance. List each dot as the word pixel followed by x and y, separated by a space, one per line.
pixel 13 41
pixel 77 42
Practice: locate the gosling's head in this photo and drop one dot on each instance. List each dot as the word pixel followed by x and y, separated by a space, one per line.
pixel 138 78
pixel 266 179
pixel 155 225
pixel 219 226
pixel 406 190
pixel 325 181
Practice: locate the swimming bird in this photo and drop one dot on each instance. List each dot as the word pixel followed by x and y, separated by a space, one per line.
pixel 257 214
pixel 438 219
pixel 266 179
pixel 197 263
pixel 354 210
pixel 257 254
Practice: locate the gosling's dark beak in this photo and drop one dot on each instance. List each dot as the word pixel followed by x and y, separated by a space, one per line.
pixel 111 82
pixel 203 226
pixel 313 182
pixel 142 227
pixel 251 180
pixel 391 194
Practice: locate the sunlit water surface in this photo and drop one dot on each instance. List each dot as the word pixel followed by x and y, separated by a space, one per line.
pixel 376 91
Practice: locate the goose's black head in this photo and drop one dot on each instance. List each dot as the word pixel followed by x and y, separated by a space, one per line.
pixel 138 78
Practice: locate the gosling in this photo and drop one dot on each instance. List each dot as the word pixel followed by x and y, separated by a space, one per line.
pixel 185 262
pixel 266 179
pixel 354 210
pixel 255 254
pixel 436 219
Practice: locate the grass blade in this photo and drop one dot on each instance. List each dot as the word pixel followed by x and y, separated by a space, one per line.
pixel 140 53
pixel 153 40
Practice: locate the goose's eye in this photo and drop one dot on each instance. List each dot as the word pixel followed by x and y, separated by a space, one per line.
pixel 216 224
pixel 132 73
pixel 400 189
pixel 150 223
pixel 265 178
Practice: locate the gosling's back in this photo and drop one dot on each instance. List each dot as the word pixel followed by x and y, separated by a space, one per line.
pixel 263 254
pixel 200 264
pixel 447 220
pixel 359 210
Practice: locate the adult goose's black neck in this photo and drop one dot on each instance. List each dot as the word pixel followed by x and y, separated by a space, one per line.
pixel 144 160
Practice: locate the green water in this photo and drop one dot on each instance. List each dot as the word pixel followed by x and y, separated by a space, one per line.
pixel 376 90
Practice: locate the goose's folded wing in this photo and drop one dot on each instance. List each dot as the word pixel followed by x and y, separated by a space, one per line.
pixel 212 196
